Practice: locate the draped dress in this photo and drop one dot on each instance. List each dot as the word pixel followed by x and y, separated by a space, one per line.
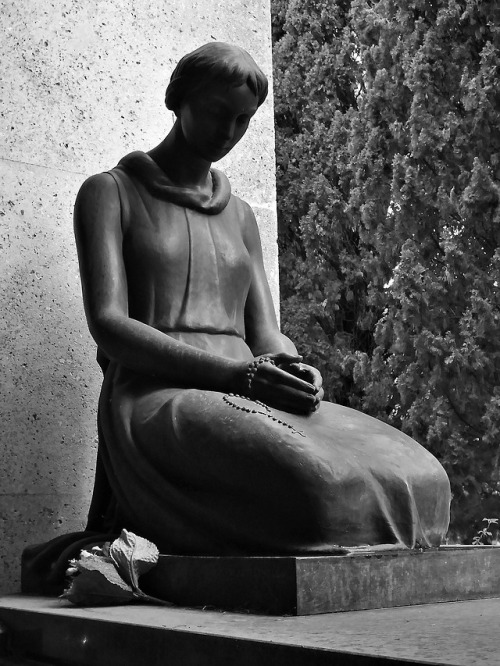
pixel 203 472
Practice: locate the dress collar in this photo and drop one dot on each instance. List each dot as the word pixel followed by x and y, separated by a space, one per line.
pixel 156 181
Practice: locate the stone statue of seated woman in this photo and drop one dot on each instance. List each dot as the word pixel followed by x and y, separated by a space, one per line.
pixel 213 436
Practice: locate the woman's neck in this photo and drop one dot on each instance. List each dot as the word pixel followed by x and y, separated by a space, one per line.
pixel 182 166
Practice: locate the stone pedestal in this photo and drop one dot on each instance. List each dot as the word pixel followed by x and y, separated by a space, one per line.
pixel 324 584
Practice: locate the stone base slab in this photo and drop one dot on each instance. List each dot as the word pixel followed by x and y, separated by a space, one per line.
pixel 36 631
pixel 324 584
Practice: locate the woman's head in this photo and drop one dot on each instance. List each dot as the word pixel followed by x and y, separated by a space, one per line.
pixel 214 62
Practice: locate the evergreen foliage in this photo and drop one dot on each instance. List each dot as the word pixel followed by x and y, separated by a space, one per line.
pixel 388 167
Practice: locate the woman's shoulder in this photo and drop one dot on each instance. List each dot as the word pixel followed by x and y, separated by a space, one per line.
pixel 243 208
pixel 107 180
pixel 246 220
pixel 104 179
pixel 96 187
pixel 97 203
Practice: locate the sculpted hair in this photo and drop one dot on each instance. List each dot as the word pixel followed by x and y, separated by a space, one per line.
pixel 212 62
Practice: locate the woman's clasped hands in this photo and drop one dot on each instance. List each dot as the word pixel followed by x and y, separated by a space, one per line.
pixel 282 381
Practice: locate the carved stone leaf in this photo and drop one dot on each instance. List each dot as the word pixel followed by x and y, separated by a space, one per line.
pixel 98 584
pixel 133 556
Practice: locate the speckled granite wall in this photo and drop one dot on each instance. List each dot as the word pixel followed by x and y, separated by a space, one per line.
pixel 82 84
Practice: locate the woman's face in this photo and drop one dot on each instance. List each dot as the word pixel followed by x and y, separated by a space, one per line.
pixel 214 119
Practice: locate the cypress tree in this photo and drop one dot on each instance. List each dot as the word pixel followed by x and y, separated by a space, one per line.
pixel 321 277
pixel 388 151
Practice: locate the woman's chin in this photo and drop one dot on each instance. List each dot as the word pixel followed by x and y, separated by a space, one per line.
pixel 216 153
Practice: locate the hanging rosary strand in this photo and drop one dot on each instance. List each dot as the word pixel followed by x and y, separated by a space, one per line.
pixel 230 397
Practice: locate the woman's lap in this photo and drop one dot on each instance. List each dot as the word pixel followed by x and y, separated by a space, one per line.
pixel 224 479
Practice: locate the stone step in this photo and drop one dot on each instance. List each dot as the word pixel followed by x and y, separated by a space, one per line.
pixel 50 631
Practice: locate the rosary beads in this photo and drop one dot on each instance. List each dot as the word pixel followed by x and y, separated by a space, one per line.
pixel 230 398
pixel 252 370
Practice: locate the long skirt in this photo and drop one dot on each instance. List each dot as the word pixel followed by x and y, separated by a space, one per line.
pixel 202 472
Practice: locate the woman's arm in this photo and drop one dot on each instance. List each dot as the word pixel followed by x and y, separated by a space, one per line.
pixel 262 332
pixel 131 343
pixel 261 327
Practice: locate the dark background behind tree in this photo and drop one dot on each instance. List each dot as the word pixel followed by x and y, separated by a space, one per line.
pixel 388 167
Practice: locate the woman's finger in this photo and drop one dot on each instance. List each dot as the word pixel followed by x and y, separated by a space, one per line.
pixel 319 397
pixel 284 358
pixel 309 373
pixel 316 377
pixel 274 375
pixel 288 399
